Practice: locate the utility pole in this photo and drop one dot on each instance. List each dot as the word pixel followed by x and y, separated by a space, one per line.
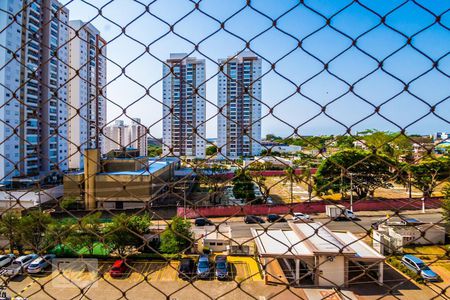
pixel 351 191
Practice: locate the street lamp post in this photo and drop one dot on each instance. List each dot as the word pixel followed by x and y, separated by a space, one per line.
pixel 351 191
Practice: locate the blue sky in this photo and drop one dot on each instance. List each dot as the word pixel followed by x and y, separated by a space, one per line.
pixel 290 109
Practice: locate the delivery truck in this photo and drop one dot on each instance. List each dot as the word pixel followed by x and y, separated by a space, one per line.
pixel 339 212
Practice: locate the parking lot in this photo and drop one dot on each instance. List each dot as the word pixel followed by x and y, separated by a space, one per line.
pixel 151 277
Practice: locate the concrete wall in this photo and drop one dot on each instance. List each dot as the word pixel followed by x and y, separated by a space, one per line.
pixel 332 272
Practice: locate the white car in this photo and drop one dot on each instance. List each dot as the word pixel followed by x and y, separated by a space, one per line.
pixel 301 216
pixel 19 265
pixel 39 264
pixel 6 259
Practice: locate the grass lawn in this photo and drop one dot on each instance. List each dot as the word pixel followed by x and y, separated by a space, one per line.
pixel 432 250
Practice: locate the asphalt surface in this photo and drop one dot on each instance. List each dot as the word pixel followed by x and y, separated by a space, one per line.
pixel 241 230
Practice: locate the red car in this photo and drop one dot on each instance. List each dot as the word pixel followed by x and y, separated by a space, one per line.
pixel 119 268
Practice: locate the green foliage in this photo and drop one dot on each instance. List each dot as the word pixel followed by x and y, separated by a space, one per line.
pixel 446 204
pixel 396 263
pixel 33 227
pixel 10 230
pixel 177 237
pixel 392 144
pixel 243 187
pixel 58 233
pixel 69 203
pixel 427 174
pixel 368 171
pixel 154 151
pixel 125 232
pixel 211 150
pixel 86 233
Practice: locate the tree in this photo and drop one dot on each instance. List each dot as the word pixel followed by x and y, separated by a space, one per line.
pixel 33 228
pixel 87 233
pixel 126 232
pixel 177 238
pixel 446 204
pixel 213 178
pixel 427 174
pixel 58 233
pixel 211 150
pixel 366 170
pixel 291 177
pixel 10 230
pixel 154 151
pixel 243 187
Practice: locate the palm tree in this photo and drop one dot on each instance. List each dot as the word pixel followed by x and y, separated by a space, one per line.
pixel 291 177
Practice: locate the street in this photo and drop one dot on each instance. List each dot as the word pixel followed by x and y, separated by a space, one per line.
pixel 241 230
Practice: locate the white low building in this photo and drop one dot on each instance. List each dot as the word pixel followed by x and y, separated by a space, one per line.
pixel 318 256
pixel 216 239
pixel 392 237
pixel 26 198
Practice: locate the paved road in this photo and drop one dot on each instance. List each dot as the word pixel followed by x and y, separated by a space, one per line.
pixel 241 230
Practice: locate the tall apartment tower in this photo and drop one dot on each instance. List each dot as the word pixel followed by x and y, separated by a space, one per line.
pixel 115 136
pixel 87 92
pixel 184 106
pixel 120 136
pixel 138 136
pixel 239 101
pixel 33 91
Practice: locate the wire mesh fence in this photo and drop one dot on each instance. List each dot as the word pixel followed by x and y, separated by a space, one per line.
pixel 223 150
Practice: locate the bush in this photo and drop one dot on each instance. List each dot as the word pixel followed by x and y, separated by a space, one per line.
pixel 396 263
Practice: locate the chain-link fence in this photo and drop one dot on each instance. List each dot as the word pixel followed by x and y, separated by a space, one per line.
pixel 202 149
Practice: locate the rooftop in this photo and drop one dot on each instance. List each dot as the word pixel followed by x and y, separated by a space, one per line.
pixel 310 239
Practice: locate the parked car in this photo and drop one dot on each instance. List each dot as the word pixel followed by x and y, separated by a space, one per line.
pixel 119 268
pixel 6 259
pixel 251 219
pixel 202 222
pixel 221 266
pixel 271 218
pixel 40 264
pixel 417 265
pixel 186 269
pixel 203 267
pixel 19 265
pixel 297 216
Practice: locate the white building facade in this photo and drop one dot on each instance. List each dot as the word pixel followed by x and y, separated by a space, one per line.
pixel 239 101
pixel 87 92
pixel 121 136
pixel 33 91
pixel 184 106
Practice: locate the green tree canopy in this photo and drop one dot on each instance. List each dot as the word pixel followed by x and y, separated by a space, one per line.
pixel 368 171
pixel 10 230
pixel 126 232
pixel 243 187
pixel 211 150
pixel 177 238
pixel 33 228
pixel 86 233
pixel 427 174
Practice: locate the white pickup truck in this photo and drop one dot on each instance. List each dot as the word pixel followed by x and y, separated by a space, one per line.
pixel 18 266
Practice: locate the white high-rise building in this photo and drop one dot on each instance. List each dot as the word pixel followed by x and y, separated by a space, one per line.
pixel 239 101
pixel 33 88
pixel 87 92
pixel 138 136
pixel 120 136
pixel 184 106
